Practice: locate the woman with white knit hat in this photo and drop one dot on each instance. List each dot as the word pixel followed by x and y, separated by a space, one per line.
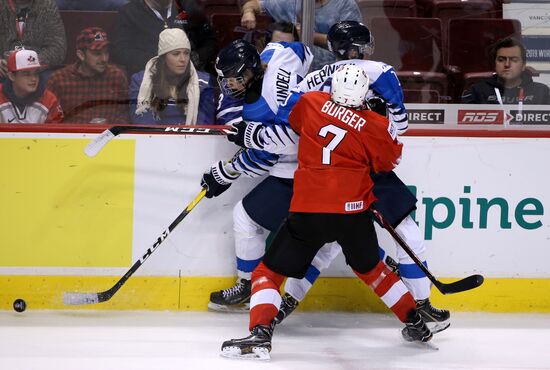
pixel 170 90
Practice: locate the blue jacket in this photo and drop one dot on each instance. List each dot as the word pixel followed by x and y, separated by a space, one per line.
pixel 172 115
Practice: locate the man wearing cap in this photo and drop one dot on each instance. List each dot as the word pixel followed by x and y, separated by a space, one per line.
pixel 92 89
pixel 23 99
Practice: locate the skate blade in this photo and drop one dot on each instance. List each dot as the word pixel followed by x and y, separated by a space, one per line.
pixel 258 354
pixel 240 308
pixel 425 345
pixel 438 327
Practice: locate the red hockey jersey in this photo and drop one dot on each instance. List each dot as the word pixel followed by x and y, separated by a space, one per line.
pixel 339 148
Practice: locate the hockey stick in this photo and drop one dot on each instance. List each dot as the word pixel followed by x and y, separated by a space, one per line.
pixel 103 139
pixel 467 283
pixel 76 298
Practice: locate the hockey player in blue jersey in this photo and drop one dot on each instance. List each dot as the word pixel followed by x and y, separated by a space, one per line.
pixel 351 42
pixel 263 82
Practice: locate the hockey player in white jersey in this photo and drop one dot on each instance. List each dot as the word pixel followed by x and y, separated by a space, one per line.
pixel 351 42
pixel 264 82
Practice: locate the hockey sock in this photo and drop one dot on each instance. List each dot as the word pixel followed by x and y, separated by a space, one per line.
pixel 390 289
pixel 266 299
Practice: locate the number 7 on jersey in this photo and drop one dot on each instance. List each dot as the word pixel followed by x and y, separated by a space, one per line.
pixel 338 133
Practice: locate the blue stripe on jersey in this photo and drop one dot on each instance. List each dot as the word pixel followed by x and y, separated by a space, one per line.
pixel 386 86
pixel 284 110
pixel 412 271
pixel 247 265
pixel 259 111
pixel 312 274
pixel 297 47
pixel 266 55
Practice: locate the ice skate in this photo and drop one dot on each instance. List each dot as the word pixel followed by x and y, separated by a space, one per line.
pixel 438 318
pixel 234 299
pixel 254 347
pixel 288 305
pixel 416 329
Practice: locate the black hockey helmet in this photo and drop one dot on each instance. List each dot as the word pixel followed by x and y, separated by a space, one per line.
pixel 232 62
pixel 346 36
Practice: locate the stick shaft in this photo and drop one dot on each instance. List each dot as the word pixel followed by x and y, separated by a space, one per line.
pixel 72 298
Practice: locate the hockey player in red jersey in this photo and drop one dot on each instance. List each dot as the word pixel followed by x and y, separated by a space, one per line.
pixel 340 145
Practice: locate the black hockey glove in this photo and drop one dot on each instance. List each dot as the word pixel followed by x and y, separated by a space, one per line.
pixel 236 134
pixel 217 180
pixel 377 105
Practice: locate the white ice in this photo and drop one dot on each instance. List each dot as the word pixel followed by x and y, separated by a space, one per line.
pixel 103 340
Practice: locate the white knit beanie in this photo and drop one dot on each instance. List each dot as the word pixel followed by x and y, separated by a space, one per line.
pixel 170 39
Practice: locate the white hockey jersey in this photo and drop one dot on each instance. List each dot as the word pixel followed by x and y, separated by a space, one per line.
pixel 383 83
pixel 287 64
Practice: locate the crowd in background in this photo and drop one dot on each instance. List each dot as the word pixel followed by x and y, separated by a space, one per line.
pixel 158 66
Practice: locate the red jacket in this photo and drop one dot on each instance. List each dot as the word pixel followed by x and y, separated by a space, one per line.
pixel 44 110
pixel 339 148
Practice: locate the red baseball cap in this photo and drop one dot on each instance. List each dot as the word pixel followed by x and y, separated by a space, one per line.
pixel 21 60
pixel 92 38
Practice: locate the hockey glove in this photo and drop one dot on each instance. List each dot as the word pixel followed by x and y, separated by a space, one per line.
pixel 236 134
pixel 247 135
pixel 218 179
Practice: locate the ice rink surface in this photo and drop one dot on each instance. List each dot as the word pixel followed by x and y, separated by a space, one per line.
pixel 101 340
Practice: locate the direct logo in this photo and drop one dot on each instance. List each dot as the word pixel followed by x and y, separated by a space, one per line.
pixel 480 117
pixel 530 117
pixel 431 116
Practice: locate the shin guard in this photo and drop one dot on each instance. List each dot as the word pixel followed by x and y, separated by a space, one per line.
pixel 266 299
pixel 390 289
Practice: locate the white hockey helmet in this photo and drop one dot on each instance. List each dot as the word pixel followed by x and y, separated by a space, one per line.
pixel 350 85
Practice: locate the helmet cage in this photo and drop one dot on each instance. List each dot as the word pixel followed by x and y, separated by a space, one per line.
pixel 228 86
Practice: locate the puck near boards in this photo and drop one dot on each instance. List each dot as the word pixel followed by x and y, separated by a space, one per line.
pixel 19 305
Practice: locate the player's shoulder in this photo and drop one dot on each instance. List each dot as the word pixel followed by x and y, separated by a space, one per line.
pixel 373 66
pixel 288 49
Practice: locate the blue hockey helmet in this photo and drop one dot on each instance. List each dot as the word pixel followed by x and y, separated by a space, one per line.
pixel 232 63
pixel 350 40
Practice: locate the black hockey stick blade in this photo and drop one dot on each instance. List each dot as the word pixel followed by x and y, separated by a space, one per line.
pixel 462 285
pixel 467 283
pixel 78 298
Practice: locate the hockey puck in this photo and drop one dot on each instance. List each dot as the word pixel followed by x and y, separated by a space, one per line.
pixel 19 305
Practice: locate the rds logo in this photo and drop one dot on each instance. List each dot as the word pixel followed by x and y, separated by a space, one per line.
pixel 468 209
pixel 480 117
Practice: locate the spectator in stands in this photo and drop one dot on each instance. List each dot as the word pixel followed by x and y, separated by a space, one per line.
pixel 170 90
pixel 511 83
pixel 23 98
pixel 98 5
pixel 92 89
pixel 277 31
pixel 327 13
pixel 141 21
pixel 33 25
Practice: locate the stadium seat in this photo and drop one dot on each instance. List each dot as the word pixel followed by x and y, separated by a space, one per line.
pixel 425 96
pixel 413 47
pixel 228 28
pixel 386 8
pixel 469 51
pixel 220 6
pixel 76 20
